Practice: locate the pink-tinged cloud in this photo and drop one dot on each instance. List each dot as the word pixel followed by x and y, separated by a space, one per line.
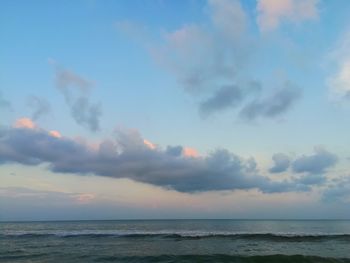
pixel 272 12
pixel 149 144
pixel 190 152
pixel 55 134
pixel 84 198
pixel 25 123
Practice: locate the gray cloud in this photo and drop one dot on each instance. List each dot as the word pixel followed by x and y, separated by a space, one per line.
pixel 312 179
pixel 313 167
pixel 316 163
pixel 39 106
pixel 127 156
pixel 75 90
pixel 174 150
pixel 223 98
pixel 275 105
pixel 308 169
pixel 281 163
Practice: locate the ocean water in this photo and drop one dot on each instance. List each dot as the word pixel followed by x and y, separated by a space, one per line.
pixel 175 241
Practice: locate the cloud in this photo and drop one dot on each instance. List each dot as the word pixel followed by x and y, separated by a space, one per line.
pixel 55 134
pixel 339 80
pixel 281 163
pixel 308 169
pixel 223 98
pixel 26 123
pixel 49 197
pixel 5 104
pixel 190 152
pixel 338 191
pixel 75 90
pixel 271 13
pixel 149 144
pixel 39 106
pixel 127 156
pixel 174 150
pixel 205 57
pixel 229 17
pixel 273 106
pixel 315 164
pixel 215 63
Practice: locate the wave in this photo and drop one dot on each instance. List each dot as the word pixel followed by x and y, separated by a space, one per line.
pixel 182 235
pixel 224 258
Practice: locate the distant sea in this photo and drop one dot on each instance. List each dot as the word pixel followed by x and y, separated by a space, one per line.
pixel 175 241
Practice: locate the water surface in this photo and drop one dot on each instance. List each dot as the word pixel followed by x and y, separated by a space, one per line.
pixel 176 241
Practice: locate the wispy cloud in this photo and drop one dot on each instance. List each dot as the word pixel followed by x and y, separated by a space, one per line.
pixel 5 104
pixel 339 80
pixel 214 62
pixel 272 106
pixel 75 90
pixel 39 106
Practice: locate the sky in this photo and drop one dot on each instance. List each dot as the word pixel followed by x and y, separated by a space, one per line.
pixel 174 109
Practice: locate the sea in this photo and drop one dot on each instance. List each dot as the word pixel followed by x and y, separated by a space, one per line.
pixel 176 241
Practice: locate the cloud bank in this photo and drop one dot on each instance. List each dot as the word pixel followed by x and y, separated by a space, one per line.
pixel 128 156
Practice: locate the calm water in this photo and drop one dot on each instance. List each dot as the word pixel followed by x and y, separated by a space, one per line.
pixel 176 241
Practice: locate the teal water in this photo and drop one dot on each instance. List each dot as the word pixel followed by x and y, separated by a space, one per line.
pixel 175 241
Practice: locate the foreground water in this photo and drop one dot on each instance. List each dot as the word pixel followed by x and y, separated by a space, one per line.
pixel 176 241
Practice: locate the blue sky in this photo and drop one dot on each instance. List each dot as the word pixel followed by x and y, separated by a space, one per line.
pixel 143 109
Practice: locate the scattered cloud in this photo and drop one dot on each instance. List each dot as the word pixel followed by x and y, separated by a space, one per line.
pixel 39 106
pixel 127 156
pixel 214 62
pixel 308 169
pixel 271 13
pixel 75 90
pixel 281 163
